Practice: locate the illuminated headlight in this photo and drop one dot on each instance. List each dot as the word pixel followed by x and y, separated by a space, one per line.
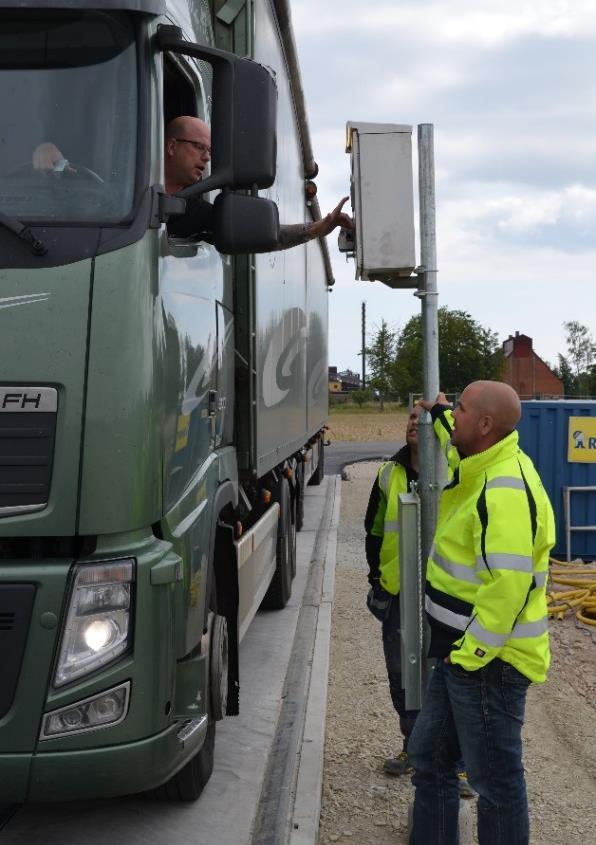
pixel 98 623
pixel 100 711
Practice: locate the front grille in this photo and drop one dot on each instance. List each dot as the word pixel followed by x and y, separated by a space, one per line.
pixel 7 621
pixel 27 434
pixel 16 604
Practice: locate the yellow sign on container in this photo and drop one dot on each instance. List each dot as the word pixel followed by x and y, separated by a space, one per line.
pixel 581 446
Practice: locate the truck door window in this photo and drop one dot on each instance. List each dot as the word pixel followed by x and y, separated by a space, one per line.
pixel 184 94
pixel 68 93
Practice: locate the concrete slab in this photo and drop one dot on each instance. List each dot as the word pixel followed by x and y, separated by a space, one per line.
pixel 307 805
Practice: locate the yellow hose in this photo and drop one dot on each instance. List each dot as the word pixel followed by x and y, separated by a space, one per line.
pixel 582 598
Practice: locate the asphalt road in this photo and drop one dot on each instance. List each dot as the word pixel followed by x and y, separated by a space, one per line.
pixel 339 453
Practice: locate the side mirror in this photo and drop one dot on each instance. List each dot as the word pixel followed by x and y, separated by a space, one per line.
pixel 244 224
pixel 244 119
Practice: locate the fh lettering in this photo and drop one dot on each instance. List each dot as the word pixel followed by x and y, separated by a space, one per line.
pixel 23 401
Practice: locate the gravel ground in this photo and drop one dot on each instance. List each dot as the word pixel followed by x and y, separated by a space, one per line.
pixel 363 805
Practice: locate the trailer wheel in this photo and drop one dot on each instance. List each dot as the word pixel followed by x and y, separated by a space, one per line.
pixel 300 497
pixel 293 529
pixel 319 473
pixel 189 782
pixel 280 588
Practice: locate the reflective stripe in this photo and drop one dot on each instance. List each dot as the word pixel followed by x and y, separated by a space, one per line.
pixel 520 630
pixel 488 637
pixel 456 570
pixel 384 478
pixel 502 560
pixel 391 525
pixel 508 481
pixel 446 617
pixel 540 578
pixel 530 629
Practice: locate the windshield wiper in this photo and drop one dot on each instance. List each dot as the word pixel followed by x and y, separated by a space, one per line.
pixel 24 233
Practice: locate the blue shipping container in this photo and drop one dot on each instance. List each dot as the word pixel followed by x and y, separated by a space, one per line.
pixel 544 436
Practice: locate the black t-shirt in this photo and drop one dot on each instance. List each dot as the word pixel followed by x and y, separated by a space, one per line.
pixel 196 222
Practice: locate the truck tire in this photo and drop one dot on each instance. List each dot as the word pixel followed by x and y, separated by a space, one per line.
pixel 300 497
pixel 319 473
pixel 280 588
pixel 189 782
pixel 293 530
pixel 218 668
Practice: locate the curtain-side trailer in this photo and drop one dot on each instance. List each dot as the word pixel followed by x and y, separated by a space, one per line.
pixel 162 404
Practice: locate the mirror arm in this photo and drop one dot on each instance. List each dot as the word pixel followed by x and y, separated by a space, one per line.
pixel 163 206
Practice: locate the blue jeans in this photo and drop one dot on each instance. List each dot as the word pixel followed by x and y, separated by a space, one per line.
pixel 392 649
pixel 477 715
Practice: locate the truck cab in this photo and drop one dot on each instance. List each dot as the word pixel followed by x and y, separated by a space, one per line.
pixel 160 407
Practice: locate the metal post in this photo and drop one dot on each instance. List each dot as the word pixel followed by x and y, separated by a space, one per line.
pixel 364 346
pixel 431 461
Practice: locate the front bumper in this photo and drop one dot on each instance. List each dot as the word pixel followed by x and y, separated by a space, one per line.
pixel 98 772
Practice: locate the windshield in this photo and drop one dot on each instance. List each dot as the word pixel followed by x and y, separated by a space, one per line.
pixel 68 100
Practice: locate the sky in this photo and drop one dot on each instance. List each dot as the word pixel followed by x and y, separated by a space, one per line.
pixel 511 90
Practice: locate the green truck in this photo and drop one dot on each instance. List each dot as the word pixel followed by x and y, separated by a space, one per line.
pixel 162 400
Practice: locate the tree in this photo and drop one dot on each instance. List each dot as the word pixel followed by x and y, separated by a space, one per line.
pixel 361 396
pixel 380 356
pixel 565 373
pixel 581 355
pixel 467 352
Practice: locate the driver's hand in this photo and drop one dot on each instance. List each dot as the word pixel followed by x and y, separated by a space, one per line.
pixel 335 218
pixel 46 156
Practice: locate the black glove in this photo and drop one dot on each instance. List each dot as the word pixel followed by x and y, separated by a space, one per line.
pixel 378 601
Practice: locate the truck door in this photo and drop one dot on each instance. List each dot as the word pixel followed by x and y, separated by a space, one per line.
pixel 192 283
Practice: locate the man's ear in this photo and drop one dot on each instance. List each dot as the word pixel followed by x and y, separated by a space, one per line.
pixel 170 143
pixel 486 424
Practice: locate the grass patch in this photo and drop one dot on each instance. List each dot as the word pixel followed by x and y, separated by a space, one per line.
pixel 349 422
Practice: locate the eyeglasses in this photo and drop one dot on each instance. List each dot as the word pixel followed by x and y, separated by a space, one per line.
pixel 197 145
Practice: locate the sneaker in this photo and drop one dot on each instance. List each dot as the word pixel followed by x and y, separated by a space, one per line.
pixel 399 765
pixel 465 790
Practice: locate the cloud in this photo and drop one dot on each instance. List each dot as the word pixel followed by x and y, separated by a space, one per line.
pixel 510 88
pixel 506 215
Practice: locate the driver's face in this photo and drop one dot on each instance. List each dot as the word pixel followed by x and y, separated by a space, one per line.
pixel 191 152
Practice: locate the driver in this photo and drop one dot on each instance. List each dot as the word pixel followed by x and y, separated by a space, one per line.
pixel 187 154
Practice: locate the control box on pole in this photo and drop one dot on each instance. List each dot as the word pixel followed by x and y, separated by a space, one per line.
pixel 382 198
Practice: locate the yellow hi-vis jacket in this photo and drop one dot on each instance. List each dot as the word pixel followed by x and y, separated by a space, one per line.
pixel 488 565
pixel 381 521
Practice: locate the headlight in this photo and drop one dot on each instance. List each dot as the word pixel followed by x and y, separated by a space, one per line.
pixel 98 625
pixel 103 710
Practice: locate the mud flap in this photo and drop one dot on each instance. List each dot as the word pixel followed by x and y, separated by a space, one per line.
pixel 228 598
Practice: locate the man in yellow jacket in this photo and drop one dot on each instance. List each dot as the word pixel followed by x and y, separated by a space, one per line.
pixel 486 605
pixel 382 555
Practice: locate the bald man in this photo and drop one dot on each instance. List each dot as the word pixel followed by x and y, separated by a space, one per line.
pixel 486 606
pixel 187 154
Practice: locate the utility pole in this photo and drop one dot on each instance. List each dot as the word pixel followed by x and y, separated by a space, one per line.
pixel 430 458
pixel 363 346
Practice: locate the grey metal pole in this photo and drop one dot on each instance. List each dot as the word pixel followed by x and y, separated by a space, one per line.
pixel 431 461
pixel 364 346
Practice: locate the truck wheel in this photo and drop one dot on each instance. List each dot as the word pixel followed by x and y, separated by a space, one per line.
pixel 280 587
pixel 319 473
pixel 293 529
pixel 300 498
pixel 189 782
pixel 218 668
